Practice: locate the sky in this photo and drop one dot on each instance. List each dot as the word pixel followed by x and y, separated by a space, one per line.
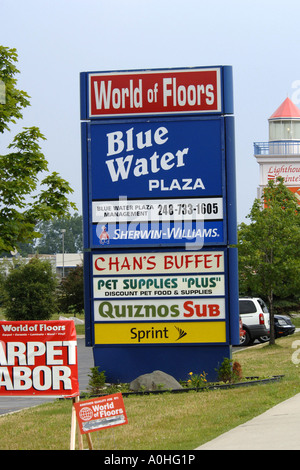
pixel 58 39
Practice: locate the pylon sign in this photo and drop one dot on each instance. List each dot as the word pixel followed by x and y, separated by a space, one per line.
pixel 159 216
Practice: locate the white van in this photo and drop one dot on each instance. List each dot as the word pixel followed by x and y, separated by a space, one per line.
pixel 255 318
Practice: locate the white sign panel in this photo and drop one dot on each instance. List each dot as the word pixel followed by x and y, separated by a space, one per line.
pixel 158 263
pixel 155 286
pixel 157 210
pixel 290 172
pixel 138 310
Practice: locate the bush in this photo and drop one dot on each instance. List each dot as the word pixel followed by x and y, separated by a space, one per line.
pixel 71 294
pixel 97 380
pixel 29 291
pixel 229 372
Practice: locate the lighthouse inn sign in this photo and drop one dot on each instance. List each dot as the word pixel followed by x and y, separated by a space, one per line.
pixel 159 216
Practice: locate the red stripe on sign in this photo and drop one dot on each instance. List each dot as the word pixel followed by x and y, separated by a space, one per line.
pixel 166 92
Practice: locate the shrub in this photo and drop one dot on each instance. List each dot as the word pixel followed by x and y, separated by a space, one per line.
pixel 29 291
pixel 71 293
pixel 229 372
pixel 97 380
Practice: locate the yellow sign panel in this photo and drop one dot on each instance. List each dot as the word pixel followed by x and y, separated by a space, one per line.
pixel 160 333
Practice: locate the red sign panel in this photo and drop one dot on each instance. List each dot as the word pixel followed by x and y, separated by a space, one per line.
pixel 161 92
pixel 38 358
pixel 100 413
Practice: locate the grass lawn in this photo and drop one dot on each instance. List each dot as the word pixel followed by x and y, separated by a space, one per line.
pixel 166 421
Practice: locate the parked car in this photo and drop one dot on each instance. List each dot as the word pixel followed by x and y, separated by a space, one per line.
pixel 255 318
pixel 242 331
pixel 283 327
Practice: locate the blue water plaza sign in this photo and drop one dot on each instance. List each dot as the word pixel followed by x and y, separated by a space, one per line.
pixel 158 182
pixel 159 209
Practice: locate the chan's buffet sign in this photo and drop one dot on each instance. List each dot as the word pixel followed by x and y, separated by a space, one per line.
pixel 38 358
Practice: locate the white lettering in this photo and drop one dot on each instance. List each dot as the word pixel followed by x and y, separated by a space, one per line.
pixel 166 92
pixel 41 378
pixel 116 144
pixel 210 94
pixel 121 170
pixel 184 184
pixel 24 354
pixel 34 350
pixel 182 95
pixel 120 167
pixel 105 96
pixel 102 94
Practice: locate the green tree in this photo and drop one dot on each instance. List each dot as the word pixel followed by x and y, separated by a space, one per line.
pixel 29 291
pixel 269 247
pixel 51 240
pixel 21 169
pixel 71 296
pixel 13 100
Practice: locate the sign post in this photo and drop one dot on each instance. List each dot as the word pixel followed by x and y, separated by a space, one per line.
pixel 159 208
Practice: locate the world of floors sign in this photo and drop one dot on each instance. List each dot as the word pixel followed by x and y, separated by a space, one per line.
pixel 139 298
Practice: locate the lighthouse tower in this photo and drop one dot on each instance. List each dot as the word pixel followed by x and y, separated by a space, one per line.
pixel 280 156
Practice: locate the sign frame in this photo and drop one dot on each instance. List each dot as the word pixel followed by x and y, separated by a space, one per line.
pixel 222 268
pixel 224 90
pixel 171 357
pixel 197 230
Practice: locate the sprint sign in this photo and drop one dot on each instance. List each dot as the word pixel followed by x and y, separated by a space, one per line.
pixel 38 358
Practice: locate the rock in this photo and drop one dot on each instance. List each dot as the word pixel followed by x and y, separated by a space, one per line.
pixel 156 380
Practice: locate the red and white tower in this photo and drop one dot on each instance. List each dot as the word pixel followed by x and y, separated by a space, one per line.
pixel 280 156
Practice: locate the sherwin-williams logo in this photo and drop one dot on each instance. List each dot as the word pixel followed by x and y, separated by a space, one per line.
pixel 104 237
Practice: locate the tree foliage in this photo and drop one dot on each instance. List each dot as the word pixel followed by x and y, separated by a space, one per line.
pixel 71 296
pixel 14 100
pixel 51 240
pixel 24 169
pixel 269 247
pixel 29 291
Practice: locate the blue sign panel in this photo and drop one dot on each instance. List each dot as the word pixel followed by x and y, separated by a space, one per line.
pixel 162 180
pixel 196 233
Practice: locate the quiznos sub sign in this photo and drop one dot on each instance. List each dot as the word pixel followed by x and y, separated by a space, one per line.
pixel 38 358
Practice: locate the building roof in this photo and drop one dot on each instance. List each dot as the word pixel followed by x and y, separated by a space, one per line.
pixel 286 110
pixel 69 260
